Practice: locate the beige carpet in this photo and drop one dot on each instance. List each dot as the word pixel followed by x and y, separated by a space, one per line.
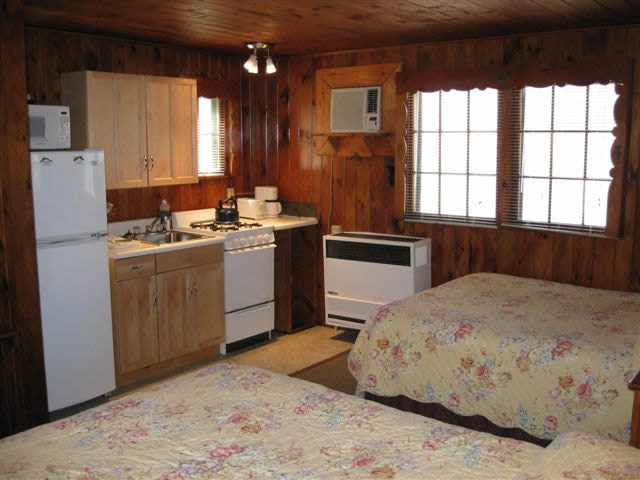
pixel 332 373
pixel 289 354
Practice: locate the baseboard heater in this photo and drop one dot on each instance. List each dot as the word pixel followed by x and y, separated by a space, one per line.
pixel 364 271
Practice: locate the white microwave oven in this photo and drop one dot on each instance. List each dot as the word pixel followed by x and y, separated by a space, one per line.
pixel 49 127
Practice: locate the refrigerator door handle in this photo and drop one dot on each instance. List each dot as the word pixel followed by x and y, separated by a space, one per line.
pixel 89 236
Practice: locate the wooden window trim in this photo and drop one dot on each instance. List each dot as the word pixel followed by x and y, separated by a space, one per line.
pixel 230 93
pixel 506 77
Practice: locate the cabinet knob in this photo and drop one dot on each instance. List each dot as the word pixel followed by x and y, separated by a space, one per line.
pixel 146 162
pixel 151 165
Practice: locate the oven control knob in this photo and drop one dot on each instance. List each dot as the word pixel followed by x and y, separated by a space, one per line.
pixel 242 242
pixel 236 243
pixel 253 240
pixel 266 238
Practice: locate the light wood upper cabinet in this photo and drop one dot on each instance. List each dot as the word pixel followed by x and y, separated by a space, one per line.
pixel 145 124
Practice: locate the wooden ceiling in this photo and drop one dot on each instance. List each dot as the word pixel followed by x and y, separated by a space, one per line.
pixel 314 26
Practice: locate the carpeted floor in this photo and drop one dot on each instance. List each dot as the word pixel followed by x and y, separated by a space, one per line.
pixel 332 373
pixel 318 355
pixel 288 354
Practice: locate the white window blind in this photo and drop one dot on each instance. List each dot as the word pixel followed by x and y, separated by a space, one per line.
pixel 211 137
pixel 560 149
pixel 452 159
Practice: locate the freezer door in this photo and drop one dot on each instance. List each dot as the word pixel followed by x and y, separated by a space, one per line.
pixel 68 194
pixel 76 321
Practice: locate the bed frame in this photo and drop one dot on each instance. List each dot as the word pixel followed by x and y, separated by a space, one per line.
pixel 439 412
pixel 635 413
pixel 481 424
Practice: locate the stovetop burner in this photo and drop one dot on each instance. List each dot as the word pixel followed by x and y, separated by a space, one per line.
pixel 223 227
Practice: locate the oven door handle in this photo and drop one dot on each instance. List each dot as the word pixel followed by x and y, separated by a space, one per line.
pixel 256 248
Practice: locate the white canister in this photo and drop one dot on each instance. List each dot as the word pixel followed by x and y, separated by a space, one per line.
pixel 266 192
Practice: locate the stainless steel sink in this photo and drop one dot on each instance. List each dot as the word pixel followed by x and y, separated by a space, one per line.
pixel 171 236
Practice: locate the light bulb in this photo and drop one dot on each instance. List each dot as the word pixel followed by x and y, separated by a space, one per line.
pixel 251 65
pixel 271 68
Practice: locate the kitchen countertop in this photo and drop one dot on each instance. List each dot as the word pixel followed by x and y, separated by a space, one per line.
pixel 282 222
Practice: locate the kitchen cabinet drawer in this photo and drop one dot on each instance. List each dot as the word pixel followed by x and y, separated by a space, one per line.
pixel 189 257
pixel 135 267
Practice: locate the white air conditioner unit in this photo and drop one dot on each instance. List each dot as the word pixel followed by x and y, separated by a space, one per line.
pixel 355 109
pixel 363 271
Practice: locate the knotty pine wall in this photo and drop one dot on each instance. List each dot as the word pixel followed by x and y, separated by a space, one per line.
pixel 363 194
pixel 255 118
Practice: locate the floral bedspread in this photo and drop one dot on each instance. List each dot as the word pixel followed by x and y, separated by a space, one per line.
pixel 585 457
pixel 541 356
pixel 229 421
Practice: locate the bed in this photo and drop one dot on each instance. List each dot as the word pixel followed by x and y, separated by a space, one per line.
pixel 537 356
pixel 229 421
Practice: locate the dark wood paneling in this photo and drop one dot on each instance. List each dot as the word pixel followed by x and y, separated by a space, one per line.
pixel 295 274
pixel 254 118
pixel 23 395
pixel 358 189
pixel 312 26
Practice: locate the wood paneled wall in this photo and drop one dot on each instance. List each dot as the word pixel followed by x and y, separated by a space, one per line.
pixel 23 395
pixel 255 120
pixel 363 190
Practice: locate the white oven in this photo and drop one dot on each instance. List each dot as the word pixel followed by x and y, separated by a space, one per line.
pixel 248 292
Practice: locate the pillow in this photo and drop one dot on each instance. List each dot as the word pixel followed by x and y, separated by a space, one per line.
pixel 582 456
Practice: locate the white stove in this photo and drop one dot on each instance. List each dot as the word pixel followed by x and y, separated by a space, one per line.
pixel 237 235
pixel 248 271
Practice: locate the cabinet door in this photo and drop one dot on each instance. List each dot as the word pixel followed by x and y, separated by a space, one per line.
pixel 116 123
pixel 176 326
pixel 208 303
pixel 171 130
pixel 184 121
pixel 137 324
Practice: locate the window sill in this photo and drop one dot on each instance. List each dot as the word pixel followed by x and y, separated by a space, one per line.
pixel 557 231
pixel 215 177
pixel 492 226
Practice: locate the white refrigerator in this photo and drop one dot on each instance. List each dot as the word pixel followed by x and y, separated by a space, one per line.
pixel 71 235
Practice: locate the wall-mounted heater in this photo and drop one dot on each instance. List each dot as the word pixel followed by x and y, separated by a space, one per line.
pixel 363 271
pixel 355 109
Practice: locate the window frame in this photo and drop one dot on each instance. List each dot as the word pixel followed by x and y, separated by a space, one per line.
pixel 507 77
pixel 223 113
pixel 490 222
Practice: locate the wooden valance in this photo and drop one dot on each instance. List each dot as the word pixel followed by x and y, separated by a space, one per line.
pixel 504 77
pixel 215 88
pixel 348 146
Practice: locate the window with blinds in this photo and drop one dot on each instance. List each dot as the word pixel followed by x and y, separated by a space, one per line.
pixel 452 158
pixel 560 157
pixel 211 137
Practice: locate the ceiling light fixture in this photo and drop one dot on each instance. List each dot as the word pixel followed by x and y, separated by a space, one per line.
pixel 251 65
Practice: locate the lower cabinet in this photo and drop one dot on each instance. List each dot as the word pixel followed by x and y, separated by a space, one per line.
pixel 168 310
pixel 137 337
pixel 177 332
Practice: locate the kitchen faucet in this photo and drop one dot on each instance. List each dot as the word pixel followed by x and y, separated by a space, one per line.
pixel 165 218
